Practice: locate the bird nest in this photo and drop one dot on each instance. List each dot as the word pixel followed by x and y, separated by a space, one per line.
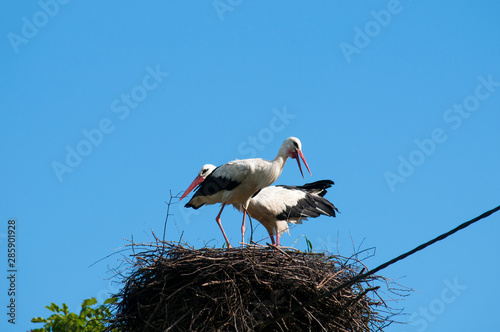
pixel 175 288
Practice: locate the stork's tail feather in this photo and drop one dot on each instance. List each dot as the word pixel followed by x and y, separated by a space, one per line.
pixel 311 206
pixel 316 188
pixel 325 207
pixel 196 207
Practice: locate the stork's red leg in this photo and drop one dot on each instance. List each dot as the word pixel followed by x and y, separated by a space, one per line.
pixel 277 239
pixel 251 229
pixel 220 225
pixel 271 235
pixel 243 227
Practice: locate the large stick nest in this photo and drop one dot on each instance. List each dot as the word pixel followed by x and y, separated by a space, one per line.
pixel 174 288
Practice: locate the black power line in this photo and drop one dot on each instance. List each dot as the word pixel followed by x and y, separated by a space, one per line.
pixel 382 266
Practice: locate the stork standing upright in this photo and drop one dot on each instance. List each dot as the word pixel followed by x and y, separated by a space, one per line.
pixel 235 182
pixel 278 206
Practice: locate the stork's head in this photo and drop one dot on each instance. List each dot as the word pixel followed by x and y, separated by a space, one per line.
pixel 293 149
pixel 205 171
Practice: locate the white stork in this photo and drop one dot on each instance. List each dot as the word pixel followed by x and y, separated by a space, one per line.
pixel 235 182
pixel 277 206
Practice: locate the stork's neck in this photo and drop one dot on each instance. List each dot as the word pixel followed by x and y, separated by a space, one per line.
pixel 280 160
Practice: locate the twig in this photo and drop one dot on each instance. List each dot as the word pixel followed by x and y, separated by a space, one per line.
pixel 168 214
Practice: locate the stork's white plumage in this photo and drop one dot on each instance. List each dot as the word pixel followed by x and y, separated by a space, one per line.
pixel 235 182
pixel 277 206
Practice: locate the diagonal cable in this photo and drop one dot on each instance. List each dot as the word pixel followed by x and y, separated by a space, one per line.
pixel 362 275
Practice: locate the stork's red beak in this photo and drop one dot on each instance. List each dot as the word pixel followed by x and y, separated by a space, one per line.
pixel 297 154
pixel 197 181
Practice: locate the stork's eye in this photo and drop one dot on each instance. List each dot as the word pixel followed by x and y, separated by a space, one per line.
pixel 295 144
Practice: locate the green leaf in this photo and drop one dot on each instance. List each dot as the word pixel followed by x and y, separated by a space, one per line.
pixel 65 309
pixel 55 307
pixel 53 317
pixel 38 320
pixel 309 244
pixel 89 302
pixel 90 319
pixel 111 300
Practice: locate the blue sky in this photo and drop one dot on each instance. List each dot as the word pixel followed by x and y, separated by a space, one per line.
pixel 109 106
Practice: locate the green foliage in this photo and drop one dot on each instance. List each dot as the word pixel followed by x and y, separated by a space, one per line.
pixel 309 245
pixel 89 320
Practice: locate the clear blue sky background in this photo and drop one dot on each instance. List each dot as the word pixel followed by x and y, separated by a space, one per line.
pixel 402 112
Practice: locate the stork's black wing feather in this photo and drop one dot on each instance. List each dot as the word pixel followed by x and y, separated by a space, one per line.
pixel 310 206
pixel 213 184
pixel 318 187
